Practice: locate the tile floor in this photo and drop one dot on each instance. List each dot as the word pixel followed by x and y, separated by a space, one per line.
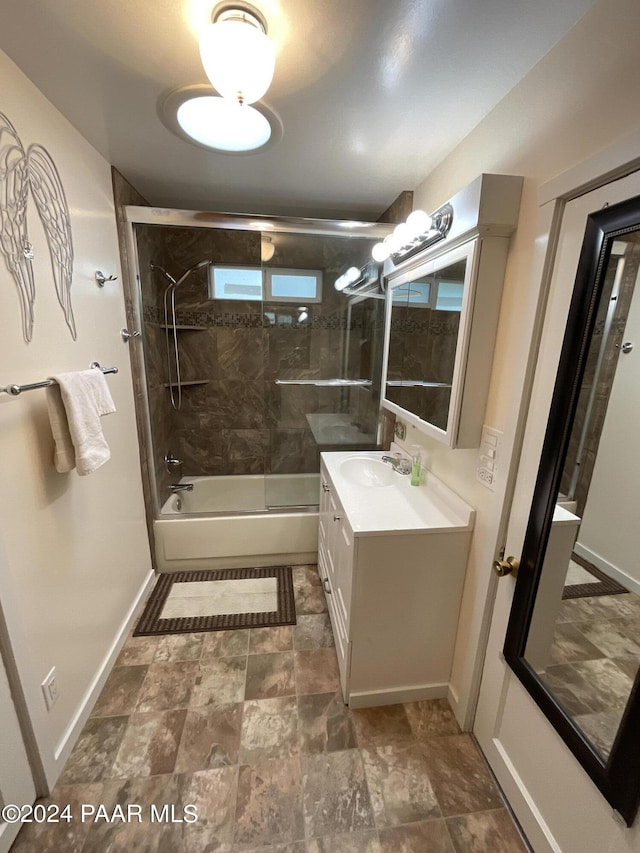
pixel 250 728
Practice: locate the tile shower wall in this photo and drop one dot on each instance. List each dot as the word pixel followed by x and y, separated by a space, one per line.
pixel 239 421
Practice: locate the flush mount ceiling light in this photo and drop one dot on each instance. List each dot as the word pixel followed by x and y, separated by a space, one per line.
pixel 236 53
pixel 198 115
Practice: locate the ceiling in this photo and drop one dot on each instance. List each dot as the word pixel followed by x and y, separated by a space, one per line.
pixel 372 94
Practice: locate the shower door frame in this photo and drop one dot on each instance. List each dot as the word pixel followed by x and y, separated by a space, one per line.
pixel 160 216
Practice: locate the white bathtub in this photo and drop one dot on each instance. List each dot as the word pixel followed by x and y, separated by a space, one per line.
pixel 225 522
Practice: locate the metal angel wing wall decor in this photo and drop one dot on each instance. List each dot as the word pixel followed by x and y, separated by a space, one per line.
pixel 21 171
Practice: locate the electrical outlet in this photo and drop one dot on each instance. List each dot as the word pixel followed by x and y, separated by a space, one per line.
pixel 50 689
pixel 489 452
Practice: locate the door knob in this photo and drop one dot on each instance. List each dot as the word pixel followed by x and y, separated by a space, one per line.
pixel 509 566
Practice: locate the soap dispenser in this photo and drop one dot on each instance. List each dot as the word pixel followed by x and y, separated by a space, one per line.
pixel 416 466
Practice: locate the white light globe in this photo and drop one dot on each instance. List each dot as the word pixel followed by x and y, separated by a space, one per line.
pixel 223 125
pixel 340 283
pixel 419 222
pixel 352 274
pixel 402 235
pixel 380 253
pixel 238 59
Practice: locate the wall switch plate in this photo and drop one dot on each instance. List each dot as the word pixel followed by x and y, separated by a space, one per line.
pixel 50 689
pixel 488 463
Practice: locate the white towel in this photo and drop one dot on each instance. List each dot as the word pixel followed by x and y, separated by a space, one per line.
pixel 75 406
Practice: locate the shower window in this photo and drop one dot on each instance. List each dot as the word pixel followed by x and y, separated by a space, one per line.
pixel 270 284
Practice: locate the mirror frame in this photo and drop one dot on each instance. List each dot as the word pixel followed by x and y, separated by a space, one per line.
pixel 618 778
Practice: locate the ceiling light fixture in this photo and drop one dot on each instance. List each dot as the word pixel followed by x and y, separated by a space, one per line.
pixel 236 53
pixel 267 249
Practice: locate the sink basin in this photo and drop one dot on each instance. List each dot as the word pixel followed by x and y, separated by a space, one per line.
pixel 364 471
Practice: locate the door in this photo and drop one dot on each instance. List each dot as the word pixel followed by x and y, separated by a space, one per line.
pixel 16 782
pixel 554 799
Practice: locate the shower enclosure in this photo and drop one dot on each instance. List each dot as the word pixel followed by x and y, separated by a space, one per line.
pixel 254 363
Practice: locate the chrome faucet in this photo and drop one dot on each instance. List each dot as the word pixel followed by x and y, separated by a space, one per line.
pixel 398 463
pixel 181 487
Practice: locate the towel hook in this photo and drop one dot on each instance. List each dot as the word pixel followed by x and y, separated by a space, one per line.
pixel 101 278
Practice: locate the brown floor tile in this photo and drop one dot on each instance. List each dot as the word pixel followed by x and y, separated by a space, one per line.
pixel 317 671
pixel 268 640
pixel 269 676
pixel 210 738
pixel 120 693
pixel 269 729
pixel 310 599
pixel 64 836
pixel 313 632
pixel 213 794
pixel 269 806
pixel 150 745
pixel 225 644
pixel 570 644
pixel 431 718
pixel 167 686
pixel 352 842
pixel 459 776
pixel 336 797
pixel 325 723
pixel 173 647
pixel 399 784
pixel 428 837
pixel 483 831
pixel 220 681
pixel 95 750
pixel 381 726
pixel 138 650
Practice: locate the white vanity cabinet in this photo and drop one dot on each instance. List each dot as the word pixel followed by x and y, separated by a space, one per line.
pixel 392 560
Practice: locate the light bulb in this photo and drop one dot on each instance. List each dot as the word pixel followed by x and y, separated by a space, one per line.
pixel 340 283
pixel 303 314
pixel 238 59
pixel 352 274
pixel 380 253
pixel 402 234
pixel 419 222
pixel 391 243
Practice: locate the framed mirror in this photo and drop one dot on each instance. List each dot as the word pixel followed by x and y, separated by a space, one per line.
pixel 574 632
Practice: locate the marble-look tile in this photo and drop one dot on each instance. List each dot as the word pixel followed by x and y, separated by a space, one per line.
pixel 95 750
pixel 150 745
pixel 55 837
pixel 313 632
pixel 294 847
pixel 610 637
pixel 483 831
pixel 269 805
pixel 167 686
pixel 268 640
pixel 270 675
pixel 213 794
pixel 138 832
pixel 210 738
pixel 317 671
pixel 336 797
pixel 601 729
pixel 431 718
pixel 570 644
pixel 431 836
pixel 399 785
pixel 352 842
pixel 310 599
pixel 269 729
pixel 381 726
pixel 137 650
pixel 562 693
pixel 599 684
pixel 120 693
pixel 220 681
pixel 628 665
pixel 459 776
pixel 306 575
pixel 325 723
pixel 175 647
pixel 225 644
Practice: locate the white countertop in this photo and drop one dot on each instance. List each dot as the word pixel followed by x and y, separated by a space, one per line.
pixel 398 507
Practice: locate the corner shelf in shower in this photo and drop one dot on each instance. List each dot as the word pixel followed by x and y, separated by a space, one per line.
pixel 189 382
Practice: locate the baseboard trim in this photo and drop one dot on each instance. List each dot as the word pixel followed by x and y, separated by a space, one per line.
pixel 72 732
pixel 614 572
pixel 375 698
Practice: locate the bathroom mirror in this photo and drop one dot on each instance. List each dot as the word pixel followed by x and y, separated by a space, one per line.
pixel 574 631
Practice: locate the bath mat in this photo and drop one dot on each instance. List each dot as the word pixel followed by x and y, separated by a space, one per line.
pixel 600 585
pixel 219 600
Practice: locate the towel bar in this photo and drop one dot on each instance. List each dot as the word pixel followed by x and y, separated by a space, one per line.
pixel 14 390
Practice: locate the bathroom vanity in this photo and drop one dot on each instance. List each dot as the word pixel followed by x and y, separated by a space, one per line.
pixel 392 560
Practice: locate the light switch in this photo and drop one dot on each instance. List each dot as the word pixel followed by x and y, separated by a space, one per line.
pixel 489 451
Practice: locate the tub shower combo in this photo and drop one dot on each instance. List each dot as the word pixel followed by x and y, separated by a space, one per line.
pixel 251 362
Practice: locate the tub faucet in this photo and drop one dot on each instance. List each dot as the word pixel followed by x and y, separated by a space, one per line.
pixel 398 463
pixel 181 487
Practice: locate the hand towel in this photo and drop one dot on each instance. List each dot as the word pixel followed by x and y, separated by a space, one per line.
pixel 86 398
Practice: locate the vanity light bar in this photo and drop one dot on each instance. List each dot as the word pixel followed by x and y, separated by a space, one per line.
pixel 417 233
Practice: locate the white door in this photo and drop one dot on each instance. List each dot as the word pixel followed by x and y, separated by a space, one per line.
pixel 555 801
pixel 16 782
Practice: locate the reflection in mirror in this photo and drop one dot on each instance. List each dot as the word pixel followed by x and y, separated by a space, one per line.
pixel 425 321
pixel 584 636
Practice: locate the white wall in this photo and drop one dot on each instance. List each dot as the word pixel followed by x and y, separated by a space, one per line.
pixel 576 101
pixel 74 555
pixel 610 534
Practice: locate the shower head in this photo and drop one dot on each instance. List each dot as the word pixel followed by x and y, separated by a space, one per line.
pixel 192 269
pixel 169 278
